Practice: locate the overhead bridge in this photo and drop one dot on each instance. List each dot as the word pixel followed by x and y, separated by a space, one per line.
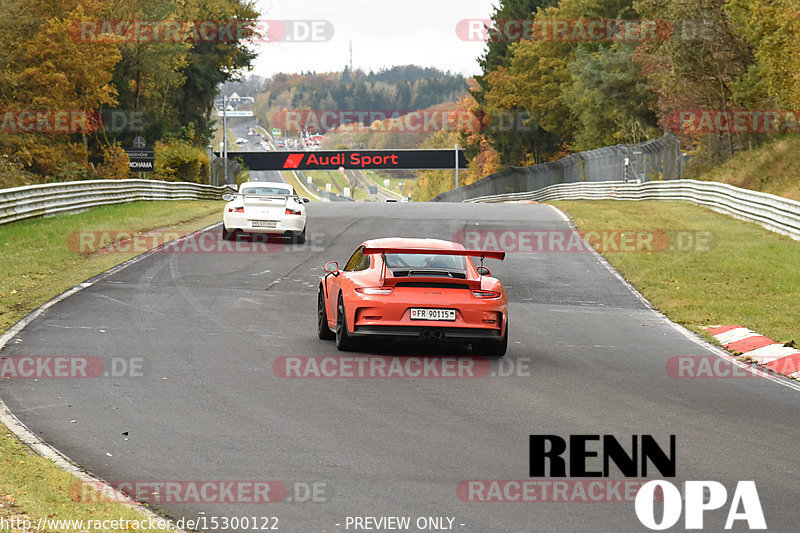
pixel 352 159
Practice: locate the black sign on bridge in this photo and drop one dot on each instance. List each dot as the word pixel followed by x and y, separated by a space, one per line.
pixel 352 159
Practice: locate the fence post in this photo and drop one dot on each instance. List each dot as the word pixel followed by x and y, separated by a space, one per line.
pixel 456 166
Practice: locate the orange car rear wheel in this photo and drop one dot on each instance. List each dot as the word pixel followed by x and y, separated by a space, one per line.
pixel 344 341
pixel 323 330
pixel 491 348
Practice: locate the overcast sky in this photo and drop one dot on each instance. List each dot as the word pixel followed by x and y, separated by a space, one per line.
pixel 384 33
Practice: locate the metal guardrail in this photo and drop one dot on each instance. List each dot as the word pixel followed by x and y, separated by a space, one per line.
pixel 364 182
pixel 19 203
pixel 330 196
pixel 648 161
pixel 775 213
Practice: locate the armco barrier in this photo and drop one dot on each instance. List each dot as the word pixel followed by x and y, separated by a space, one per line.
pixel 773 212
pixel 656 159
pixel 311 186
pixel 50 198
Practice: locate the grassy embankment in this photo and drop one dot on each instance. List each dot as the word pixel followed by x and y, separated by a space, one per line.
pixel 772 168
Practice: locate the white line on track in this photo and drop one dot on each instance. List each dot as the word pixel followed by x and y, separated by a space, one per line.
pixel 692 336
pixel 29 438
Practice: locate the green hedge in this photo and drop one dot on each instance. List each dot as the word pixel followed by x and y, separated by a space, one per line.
pixel 178 160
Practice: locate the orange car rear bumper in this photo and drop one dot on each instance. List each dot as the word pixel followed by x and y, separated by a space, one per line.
pixel 391 315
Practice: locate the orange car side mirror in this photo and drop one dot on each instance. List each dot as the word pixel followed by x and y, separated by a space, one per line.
pixel 332 267
pixel 484 271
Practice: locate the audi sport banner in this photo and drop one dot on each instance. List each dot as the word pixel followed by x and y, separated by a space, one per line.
pixel 351 159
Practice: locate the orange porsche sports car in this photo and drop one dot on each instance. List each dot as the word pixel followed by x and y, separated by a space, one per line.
pixel 423 288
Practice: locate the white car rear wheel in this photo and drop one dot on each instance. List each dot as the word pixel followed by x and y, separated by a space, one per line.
pixel 300 238
pixel 228 235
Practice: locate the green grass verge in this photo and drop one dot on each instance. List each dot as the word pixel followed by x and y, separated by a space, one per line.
pixel 749 277
pixel 39 264
pixel 336 177
pixel 300 190
pixel 394 183
pixel 772 168
pixel 233 147
pixel 322 177
pixel 32 487
pixel 361 196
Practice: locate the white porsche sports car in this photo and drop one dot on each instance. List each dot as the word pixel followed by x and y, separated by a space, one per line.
pixel 266 208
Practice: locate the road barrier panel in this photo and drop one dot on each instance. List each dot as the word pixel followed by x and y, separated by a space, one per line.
pixel 48 199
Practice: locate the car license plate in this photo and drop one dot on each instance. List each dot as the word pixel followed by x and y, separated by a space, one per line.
pixel 263 223
pixel 432 314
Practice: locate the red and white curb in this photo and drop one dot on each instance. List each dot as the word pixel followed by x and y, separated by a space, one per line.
pixel 763 350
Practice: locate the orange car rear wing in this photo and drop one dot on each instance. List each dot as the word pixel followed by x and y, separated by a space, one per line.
pixel 473 284
pixel 431 281
pixel 437 251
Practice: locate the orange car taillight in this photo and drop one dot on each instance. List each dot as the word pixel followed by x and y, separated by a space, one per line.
pixel 485 294
pixel 374 290
pixel 292 212
pixel 236 210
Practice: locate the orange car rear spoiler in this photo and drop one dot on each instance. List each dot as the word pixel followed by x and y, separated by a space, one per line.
pixel 464 253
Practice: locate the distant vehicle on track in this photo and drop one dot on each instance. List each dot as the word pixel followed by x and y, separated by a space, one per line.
pixel 418 288
pixel 263 207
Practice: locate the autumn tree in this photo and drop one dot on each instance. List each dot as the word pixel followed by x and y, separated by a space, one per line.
pixel 514 144
pixel 175 81
pixel 772 28
pixel 610 98
pixel 45 68
pixel 71 56
pixel 697 67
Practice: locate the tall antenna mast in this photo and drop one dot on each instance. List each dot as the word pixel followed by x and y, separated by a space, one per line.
pixel 351 56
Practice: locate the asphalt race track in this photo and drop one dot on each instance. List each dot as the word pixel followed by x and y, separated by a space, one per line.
pixel 590 359
pixel 240 131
